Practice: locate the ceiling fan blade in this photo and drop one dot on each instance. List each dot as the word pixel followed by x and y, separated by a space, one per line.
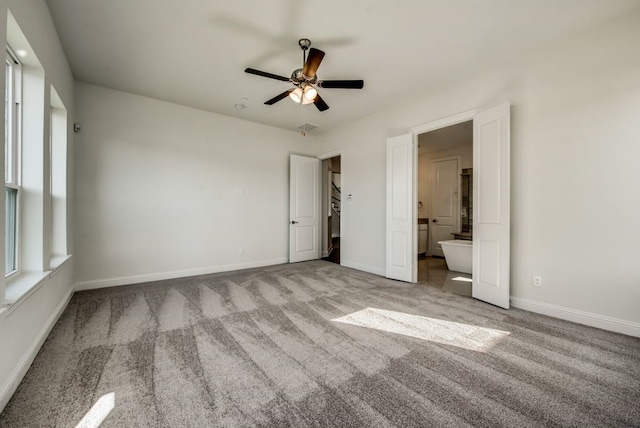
pixel 320 104
pixel 341 84
pixel 277 98
pixel 265 74
pixel 313 62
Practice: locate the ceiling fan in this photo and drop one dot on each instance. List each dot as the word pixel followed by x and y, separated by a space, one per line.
pixel 306 81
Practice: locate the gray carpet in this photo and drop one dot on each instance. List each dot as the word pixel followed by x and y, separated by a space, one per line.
pixel 316 344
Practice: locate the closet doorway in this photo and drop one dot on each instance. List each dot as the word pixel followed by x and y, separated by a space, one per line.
pixel 331 208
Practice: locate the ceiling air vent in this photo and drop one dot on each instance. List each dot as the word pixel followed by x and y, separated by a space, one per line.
pixel 306 127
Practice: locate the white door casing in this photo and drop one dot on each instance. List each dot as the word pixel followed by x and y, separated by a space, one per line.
pixel 445 201
pixel 304 208
pixel 491 207
pixel 401 237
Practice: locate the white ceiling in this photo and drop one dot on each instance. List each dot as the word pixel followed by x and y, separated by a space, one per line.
pixel 446 138
pixel 194 52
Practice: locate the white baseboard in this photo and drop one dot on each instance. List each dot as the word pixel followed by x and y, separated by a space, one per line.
pixel 364 268
pixel 23 366
pixel 136 279
pixel 581 317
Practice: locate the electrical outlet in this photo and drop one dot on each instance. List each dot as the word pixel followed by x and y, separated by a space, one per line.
pixel 241 251
pixel 537 281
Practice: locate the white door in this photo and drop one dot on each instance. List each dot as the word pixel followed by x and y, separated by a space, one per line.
pixel 491 217
pixel 304 208
pixel 401 238
pixel 445 203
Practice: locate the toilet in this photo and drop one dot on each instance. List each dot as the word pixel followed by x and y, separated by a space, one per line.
pixel 458 254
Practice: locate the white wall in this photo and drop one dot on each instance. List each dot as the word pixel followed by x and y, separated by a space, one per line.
pixel 424 168
pixel 156 189
pixel 24 327
pixel 575 150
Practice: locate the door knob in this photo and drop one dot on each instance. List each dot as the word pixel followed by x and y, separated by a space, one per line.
pixel 434 220
pixel 294 222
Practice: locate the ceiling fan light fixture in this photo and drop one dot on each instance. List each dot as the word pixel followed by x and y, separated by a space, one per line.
pixel 310 93
pixel 296 95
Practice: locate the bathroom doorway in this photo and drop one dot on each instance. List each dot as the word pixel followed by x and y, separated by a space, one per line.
pixel 491 246
pixel 445 160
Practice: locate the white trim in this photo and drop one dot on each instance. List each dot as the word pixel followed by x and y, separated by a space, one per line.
pixel 136 279
pixel 364 268
pixel 581 317
pixel 442 123
pixel 330 155
pixel 414 213
pixel 21 368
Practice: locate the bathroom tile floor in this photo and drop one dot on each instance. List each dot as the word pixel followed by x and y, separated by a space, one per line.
pixel 432 271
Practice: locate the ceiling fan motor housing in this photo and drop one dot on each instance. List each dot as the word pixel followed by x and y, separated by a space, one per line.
pixel 297 77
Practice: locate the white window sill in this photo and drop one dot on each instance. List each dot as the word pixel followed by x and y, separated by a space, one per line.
pixel 22 286
pixel 19 287
pixel 56 263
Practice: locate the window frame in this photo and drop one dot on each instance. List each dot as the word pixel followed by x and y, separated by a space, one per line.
pixel 58 117
pixel 13 94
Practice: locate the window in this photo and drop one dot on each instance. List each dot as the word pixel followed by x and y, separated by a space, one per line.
pixel 11 162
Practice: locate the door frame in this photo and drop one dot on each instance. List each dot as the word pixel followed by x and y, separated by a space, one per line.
pixel 453 120
pixel 324 223
pixel 422 129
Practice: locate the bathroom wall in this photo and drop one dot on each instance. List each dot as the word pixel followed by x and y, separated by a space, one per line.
pixel 424 163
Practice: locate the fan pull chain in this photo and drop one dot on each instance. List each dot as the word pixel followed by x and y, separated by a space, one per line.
pixel 304 128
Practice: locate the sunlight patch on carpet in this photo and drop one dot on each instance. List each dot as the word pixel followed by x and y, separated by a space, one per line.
pixel 467 336
pixel 99 412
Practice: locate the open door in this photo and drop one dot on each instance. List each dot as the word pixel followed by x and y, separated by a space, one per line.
pixel 400 261
pixel 491 195
pixel 304 208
